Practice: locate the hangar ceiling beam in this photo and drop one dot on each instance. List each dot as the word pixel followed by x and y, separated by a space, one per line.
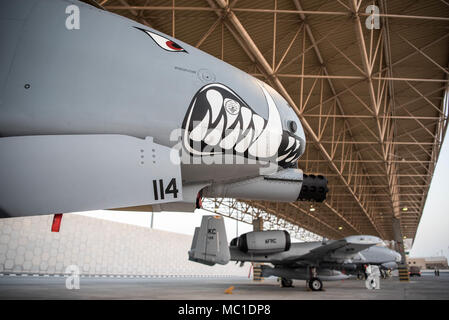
pixel 340 108
pixel 269 71
pixel 280 11
pixel 265 65
pixel 351 77
pixel 319 56
pixel 389 167
pixel 247 212
pixel 267 68
pixel 135 13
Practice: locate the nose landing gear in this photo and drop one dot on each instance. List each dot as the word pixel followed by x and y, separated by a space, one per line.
pixel 314 282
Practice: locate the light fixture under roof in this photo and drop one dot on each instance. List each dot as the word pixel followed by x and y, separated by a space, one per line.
pixel 405 209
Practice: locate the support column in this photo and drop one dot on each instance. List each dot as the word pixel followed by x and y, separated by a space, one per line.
pixel 399 247
pixel 258 224
pixel 257 267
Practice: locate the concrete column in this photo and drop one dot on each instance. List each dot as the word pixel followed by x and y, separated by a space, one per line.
pixel 399 246
pixel 258 224
pixel 399 241
pixel 257 269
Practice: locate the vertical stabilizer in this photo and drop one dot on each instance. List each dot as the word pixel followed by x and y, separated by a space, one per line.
pixel 210 245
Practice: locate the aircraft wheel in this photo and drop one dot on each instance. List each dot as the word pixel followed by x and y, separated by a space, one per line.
pixel 315 284
pixel 286 283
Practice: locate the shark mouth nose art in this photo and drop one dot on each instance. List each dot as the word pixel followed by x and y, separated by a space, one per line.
pixel 218 121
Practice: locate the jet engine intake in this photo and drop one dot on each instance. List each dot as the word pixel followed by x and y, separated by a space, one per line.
pixel 263 242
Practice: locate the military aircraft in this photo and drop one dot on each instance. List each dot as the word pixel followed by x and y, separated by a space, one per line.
pixel 329 260
pixel 100 112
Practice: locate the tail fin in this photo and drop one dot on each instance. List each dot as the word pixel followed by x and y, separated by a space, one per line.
pixel 210 245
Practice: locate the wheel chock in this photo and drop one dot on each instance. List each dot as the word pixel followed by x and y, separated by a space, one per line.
pixel 229 290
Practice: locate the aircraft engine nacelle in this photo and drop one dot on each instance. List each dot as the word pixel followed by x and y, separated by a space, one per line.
pixel 263 242
pixel 286 185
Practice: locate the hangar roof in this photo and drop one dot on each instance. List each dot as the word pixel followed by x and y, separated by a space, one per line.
pixel 369 91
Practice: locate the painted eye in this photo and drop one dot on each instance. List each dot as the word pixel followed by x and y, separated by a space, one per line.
pixel 164 43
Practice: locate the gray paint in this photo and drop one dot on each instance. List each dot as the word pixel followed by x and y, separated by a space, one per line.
pixel 83 172
pixel 107 78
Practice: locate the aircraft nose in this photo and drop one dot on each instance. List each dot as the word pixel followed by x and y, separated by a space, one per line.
pixel 397 256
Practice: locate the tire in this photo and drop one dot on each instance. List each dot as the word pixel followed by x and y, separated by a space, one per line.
pixel 286 283
pixel 315 284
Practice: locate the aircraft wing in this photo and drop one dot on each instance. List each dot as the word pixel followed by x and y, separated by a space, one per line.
pixel 339 249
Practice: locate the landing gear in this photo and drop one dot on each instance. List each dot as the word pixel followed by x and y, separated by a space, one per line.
pixel 315 284
pixel 373 279
pixel 286 283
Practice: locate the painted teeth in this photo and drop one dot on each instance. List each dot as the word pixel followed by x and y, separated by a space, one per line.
pixel 269 140
pixel 215 135
pixel 291 140
pixel 245 142
pixel 258 122
pixel 230 140
pixel 215 100
pixel 199 132
pixel 280 158
pixel 290 159
pixel 246 117
pixel 292 154
pixel 250 132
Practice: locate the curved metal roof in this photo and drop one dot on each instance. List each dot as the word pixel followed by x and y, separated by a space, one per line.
pixel 371 99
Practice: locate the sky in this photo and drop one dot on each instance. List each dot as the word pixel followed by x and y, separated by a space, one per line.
pixel 432 237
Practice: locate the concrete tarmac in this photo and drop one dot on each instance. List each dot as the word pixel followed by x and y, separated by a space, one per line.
pixel 29 287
